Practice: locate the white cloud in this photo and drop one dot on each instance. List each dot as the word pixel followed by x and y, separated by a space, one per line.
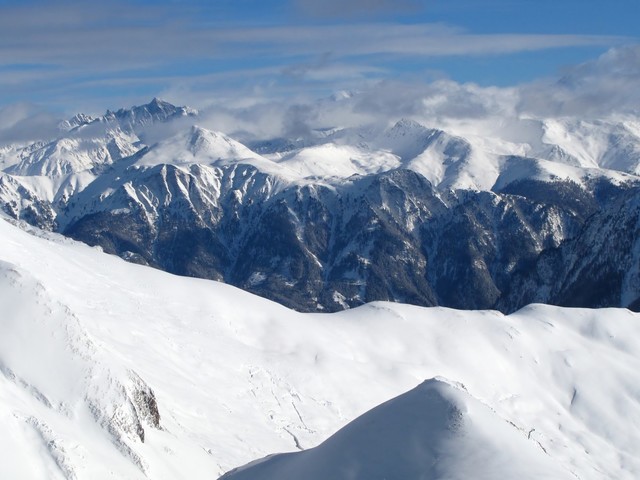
pixel 74 52
pixel 22 122
pixel 51 47
pixel 600 87
pixel 352 8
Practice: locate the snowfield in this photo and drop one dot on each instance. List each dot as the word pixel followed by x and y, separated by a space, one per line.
pixel 113 370
pixel 434 431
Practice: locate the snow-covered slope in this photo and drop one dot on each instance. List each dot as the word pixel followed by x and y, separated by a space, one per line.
pixel 608 144
pixel 523 169
pixel 199 146
pixel 435 431
pixel 446 161
pixel 113 370
pixel 562 149
pixel 332 161
pixel 196 145
pixel 76 153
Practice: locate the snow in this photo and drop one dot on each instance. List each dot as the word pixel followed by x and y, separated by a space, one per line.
pixel 482 154
pixel 237 377
pixel 431 432
pixel 463 157
pixel 342 161
pixel 197 145
pixel 609 144
pixel 90 344
pixel 514 169
pixel 77 152
pixel 256 278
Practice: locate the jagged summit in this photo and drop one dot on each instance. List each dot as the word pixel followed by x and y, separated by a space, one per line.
pixel 76 121
pixel 87 143
pixel 132 118
pixel 153 112
pixel 408 124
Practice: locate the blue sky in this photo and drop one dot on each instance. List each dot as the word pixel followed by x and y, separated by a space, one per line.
pixel 71 56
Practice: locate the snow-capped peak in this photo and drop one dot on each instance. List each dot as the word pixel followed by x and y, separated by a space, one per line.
pixel 156 111
pixel 76 121
pixel 405 125
pixel 196 145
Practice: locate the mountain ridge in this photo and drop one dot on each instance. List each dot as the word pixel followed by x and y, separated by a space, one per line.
pixel 404 213
pixel 430 432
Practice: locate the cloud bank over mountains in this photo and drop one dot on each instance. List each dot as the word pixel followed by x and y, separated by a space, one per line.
pixel 596 88
pixel 603 87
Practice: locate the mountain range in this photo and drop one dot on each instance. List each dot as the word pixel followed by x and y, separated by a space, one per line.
pixel 342 216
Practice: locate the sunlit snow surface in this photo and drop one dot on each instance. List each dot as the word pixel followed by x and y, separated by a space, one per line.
pixel 434 431
pixel 87 340
pixel 474 156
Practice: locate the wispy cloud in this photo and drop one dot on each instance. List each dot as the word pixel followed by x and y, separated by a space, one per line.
pixel 357 8
pixel 20 122
pixel 81 36
pixel 606 85
pixel 50 47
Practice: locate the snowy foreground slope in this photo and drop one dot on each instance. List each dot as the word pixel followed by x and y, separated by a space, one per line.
pixel 433 431
pixel 113 370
